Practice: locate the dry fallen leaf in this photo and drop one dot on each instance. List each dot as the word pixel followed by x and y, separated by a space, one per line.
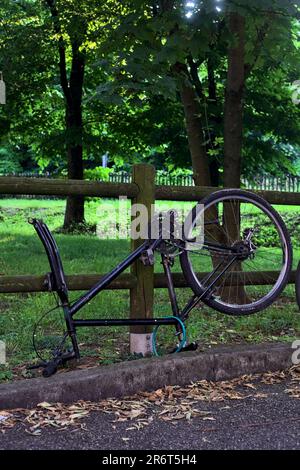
pixel 250 386
pixel 171 404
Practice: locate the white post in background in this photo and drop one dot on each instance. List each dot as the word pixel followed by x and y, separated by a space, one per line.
pixel 2 352
pixel 2 90
pixel 2 101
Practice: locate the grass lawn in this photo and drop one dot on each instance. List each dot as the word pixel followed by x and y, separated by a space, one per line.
pixel 21 252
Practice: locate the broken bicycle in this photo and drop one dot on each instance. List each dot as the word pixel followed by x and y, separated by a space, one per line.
pixel 245 252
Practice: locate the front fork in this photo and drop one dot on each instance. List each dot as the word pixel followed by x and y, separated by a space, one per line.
pixel 71 330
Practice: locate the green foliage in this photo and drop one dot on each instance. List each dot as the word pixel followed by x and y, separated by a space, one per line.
pixel 175 171
pixel 268 235
pixel 98 173
pixel 9 162
pixel 16 159
pixel 292 221
pixel 131 106
pixel 5 374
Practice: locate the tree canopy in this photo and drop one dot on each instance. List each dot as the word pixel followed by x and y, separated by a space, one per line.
pixel 141 59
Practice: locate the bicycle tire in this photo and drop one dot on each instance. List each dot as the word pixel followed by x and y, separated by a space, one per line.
pixel 248 309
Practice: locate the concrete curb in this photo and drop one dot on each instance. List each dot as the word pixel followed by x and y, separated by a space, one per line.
pixel 127 378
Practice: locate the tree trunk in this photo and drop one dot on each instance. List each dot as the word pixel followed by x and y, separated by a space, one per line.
pixel 233 140
pixel 233 111
pixel 72 90
pixel 74 213
pixel 215 120
pixel 192 112
pixel 193 119
pixel 233 115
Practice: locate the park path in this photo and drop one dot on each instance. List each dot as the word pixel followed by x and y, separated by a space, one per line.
pixel 251 413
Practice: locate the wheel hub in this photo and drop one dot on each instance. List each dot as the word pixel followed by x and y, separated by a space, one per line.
pixel 242 250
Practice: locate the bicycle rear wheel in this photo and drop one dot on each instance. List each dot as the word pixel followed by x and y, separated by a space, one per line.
pixel 245 251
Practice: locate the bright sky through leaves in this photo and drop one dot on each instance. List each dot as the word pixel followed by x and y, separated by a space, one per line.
pixel 190 7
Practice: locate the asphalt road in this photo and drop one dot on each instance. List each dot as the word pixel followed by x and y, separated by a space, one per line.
pixel 268 422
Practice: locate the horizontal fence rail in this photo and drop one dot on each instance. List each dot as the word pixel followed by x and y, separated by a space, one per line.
pixel 10 284
pixel 182 193
pixel 60 187
pixel 259 183
pixel 76 282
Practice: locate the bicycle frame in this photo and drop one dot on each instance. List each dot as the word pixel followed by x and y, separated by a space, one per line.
pixel 56 282
pixel 108 278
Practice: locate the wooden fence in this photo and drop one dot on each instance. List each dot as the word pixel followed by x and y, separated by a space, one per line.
pixel 259 183
pixel 142 189
pixel 263 183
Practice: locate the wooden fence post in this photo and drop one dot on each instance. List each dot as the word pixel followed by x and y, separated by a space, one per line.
pixel 142 295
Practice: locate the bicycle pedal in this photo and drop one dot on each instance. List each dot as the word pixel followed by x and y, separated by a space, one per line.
pixel 190 347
